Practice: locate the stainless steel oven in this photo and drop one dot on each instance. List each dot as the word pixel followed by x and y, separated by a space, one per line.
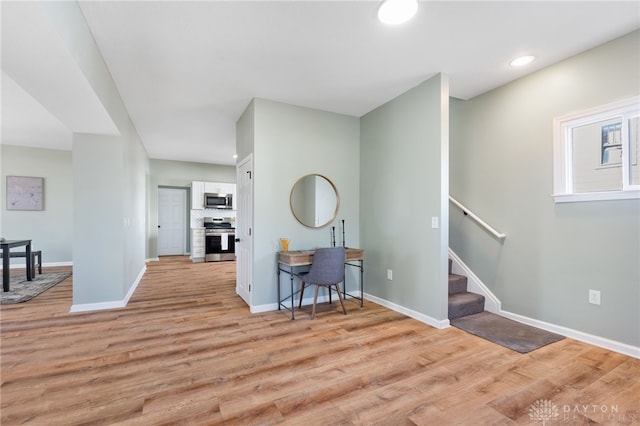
pixel 219 240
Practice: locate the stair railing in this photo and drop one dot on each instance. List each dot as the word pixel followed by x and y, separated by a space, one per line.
pixel 484 224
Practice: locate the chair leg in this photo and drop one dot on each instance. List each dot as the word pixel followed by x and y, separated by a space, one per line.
pixel 315 298
pixel 339 297
pixel 301 293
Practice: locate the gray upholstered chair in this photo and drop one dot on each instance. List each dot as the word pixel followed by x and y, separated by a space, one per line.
pixel 327 270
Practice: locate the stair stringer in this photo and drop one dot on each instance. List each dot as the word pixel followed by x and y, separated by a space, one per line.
pixel 474 284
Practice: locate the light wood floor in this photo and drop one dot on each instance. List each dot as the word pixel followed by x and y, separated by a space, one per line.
pixel 187 351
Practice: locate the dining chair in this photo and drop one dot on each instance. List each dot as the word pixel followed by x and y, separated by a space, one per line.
pixel 327 270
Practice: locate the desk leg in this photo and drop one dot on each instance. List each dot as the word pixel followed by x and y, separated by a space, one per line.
pixel 28 261
pixel 361 284
pixel 279 300
pixel 5 269
pixel 291 280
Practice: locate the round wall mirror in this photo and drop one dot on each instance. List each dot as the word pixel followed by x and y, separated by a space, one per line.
pixel 314 201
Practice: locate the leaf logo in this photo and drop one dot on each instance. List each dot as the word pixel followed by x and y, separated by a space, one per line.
pixel 544 411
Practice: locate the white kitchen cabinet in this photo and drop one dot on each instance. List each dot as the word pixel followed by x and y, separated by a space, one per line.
pixel 197 195
pixel 221 188
pixel 230 188
pixel 218 187
pixel 197 245
pixel 198 189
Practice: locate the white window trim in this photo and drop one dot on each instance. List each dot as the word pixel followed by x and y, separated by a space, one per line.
pixel 562 168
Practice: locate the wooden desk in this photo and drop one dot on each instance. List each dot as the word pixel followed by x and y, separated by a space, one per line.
pixel 6 246
pixel 300 258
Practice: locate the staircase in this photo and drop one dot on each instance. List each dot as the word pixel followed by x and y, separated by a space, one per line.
pixel 462 302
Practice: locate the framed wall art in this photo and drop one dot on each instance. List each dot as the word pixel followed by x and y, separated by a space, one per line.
pixel 25 193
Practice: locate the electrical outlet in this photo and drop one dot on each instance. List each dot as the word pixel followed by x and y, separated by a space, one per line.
pixel 389 274
pixel 594 297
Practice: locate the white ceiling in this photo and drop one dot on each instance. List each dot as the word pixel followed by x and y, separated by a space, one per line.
pixel 187 70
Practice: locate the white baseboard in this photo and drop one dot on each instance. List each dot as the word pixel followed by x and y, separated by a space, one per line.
pixel 492 304
pixel 153 259
pixel 115 304
pixel 612 345
pixel 87 307
pixel 44 265
pixel 440 324
pixel 255 309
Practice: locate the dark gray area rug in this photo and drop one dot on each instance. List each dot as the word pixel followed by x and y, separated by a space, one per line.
pixel 503 331
pixel 21 290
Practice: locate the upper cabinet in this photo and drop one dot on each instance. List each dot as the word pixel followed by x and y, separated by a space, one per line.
pixel 198 189
pixel 197 195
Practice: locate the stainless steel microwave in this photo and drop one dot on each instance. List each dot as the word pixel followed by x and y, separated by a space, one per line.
pixel 218 201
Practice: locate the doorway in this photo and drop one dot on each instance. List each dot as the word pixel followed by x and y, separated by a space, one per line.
pixel 172 222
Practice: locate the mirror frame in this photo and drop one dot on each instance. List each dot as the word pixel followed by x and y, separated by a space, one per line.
pixel 335 191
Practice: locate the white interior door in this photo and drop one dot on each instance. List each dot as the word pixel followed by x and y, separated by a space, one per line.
pixel 172 206
pixel 244 228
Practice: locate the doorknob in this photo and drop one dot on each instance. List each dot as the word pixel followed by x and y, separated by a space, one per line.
pixel 237 240
pixel 158 226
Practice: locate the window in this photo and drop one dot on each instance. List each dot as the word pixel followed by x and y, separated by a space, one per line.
pixel 596 153
pixel 611 144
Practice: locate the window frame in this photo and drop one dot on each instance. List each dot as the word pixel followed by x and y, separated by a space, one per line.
pixel 562 151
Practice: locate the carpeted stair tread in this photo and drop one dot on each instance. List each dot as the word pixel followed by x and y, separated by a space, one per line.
pixel 457 283
pixel 466 303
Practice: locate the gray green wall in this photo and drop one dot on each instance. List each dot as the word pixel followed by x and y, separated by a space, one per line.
pixel 50 229
pixel 404 145
pixel 109 182
pixel 289 142
pixel 502 169
pixel 178 174
pixel 245 132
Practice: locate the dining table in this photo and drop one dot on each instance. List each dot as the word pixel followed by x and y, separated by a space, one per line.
pixel 6 246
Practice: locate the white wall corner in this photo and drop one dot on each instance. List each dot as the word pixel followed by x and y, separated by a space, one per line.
pixel 114 304
pixel 439 324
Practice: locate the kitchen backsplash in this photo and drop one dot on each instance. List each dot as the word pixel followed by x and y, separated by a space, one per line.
pixel 197 216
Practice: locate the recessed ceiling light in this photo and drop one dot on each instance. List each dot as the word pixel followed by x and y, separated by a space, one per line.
pixel 522 61
pixel 235 155
pixel 395 12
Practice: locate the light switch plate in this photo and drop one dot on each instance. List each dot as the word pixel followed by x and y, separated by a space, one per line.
pixel 435 223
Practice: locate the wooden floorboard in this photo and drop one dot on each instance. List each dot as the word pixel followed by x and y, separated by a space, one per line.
pixel 186 350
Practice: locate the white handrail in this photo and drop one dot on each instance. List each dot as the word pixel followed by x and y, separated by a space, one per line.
pixel 466 211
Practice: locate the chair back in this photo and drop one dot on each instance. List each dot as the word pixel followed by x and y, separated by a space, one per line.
pixel 327 266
